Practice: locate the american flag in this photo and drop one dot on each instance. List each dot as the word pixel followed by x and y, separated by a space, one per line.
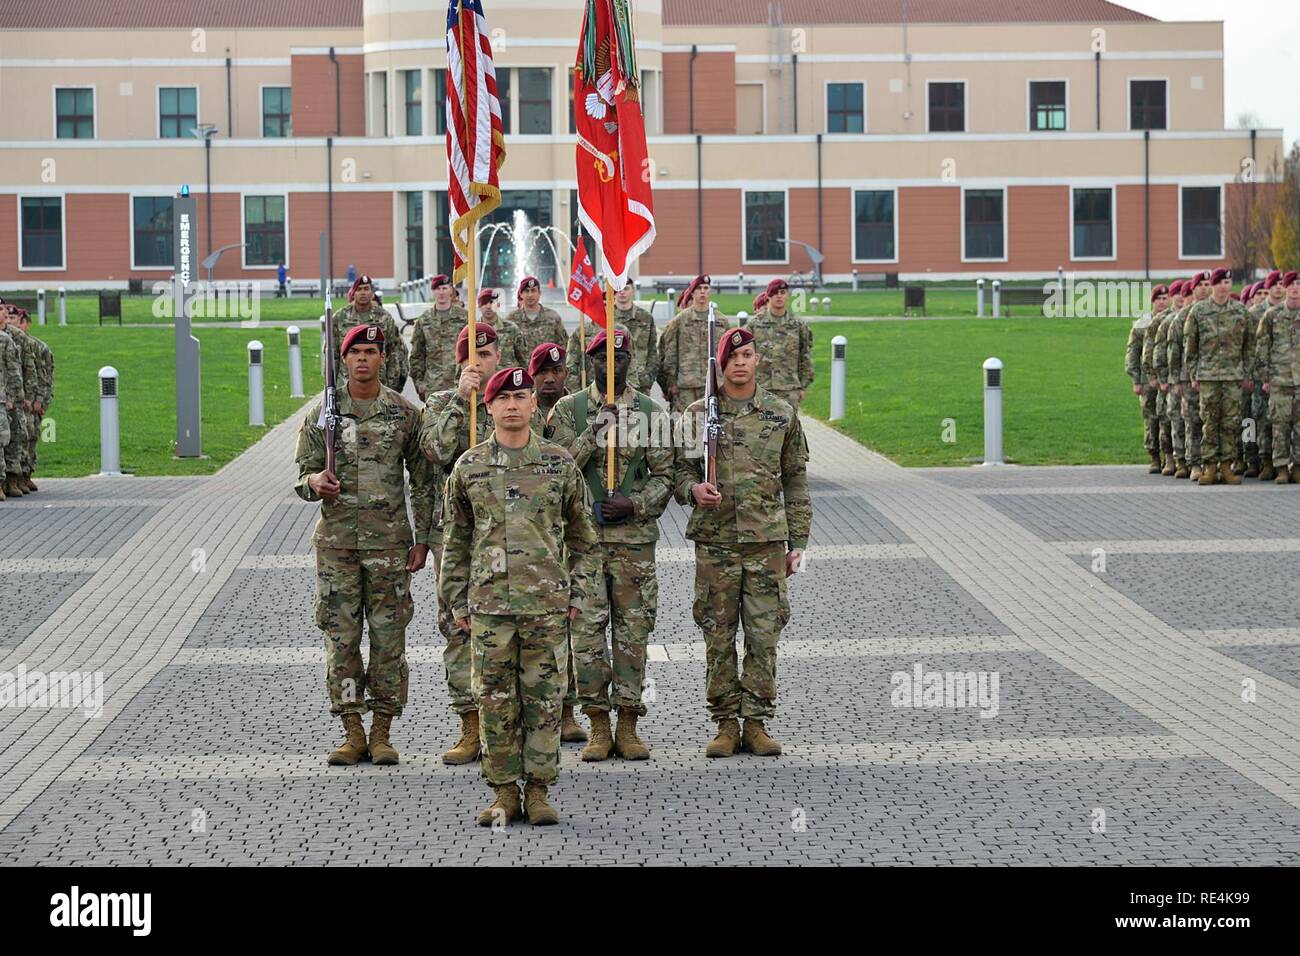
pixel 476 146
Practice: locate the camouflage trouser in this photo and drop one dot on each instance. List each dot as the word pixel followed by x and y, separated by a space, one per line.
pixel 1220 420
pixel 13 450
pixel 627 603
pixel 1150 419
pixel 519 668
pixel 1192 426
pixel 743 583
pixel 374 586
pixel 455 655
pixel 1261 412
pixel 33 436
pixel 685 396
pixel 1174 406
pixel 5 428
pixel 1164 427
pixel 1284 407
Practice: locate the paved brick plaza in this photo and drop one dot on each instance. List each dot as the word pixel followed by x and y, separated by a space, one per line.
pixel 1119 692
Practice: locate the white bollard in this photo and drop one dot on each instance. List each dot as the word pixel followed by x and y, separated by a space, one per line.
pixel 997 298
pixel 1060 278
pixel 826 304
pixel 740 285
pixel 993 411
pixel 63 306
pixel 855 280
pixel 979 298
pixel 672 294
pixel 110 450
pixel 256 411
pixel 838 380
pixel 288 287
pixel 742 317
pixel 295 362
pixel 40 306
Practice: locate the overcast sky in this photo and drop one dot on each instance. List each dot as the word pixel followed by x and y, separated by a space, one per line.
pixel 1261 54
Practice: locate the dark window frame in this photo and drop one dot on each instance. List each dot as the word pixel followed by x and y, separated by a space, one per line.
pixel 270 252
pixel 33 241
pixel 283 114
pixel 1204 222
pixel 1049 105
pixel 415 234
pixel 946 116
pixel 153 232
pixel 530 107
pixel 846 113
pixel 1142 115
pixel 417 104
pixel 753 251
pixel 1084 229
pixel 184 120
pixel 883 233
pixel 82 124
pixel 987 233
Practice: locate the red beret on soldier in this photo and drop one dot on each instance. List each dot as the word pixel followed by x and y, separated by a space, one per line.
pixel 438 280
pixel 1176 287
pixel 622 341
pixel 362 334
pixel 1273 279
pixel 1219 274
pixel 1290 278
pixel 359 281
pixel 483 334
pixel 487 295
pixel 777 285
pixel 1158 291
pixel 546 355
pixel 1200 277
pixel 699 280
pixel 732 339
pixel 507 379
pixel 760 300
pixel 527 282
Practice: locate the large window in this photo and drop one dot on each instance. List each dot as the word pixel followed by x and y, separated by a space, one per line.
pixel 1047 109
pixel 984 224
pixel 440 102
pixel 1147 104
pixel 873 226
pixel 1202 232
pixel 573 124
pixel 42 232
pixel 414 102
pixel 947 107
pixel 74 113
pixel 844 113
pixel 264 230
pixel 277 111
pixel 178 111
pixel 414 235
pixel 443 252
pixel 765 227
pixel 1093 224
pixel 151 232
pixel 534 100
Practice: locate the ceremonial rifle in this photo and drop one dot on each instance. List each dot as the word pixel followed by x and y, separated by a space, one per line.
pixel 712 427
pixel 330 410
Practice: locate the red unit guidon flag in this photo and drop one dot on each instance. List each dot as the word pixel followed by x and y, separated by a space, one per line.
pixel 585 292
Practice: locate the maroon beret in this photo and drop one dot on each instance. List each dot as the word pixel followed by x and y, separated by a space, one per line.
pixel 1273 279
pixel 699 280
pixel 508 379
pixel 1200 277
pixel 365 334
pixel 438 280
pixel 1244 295
pixel 1176 287
pixel 760 300
pixel 547 355
pixel 1158 291
pixel 527 282
pixel 359 281
pixel 777 285
pixel 622 343
pixel 487 295
pixel 483 334
pixel 732 339
pixel 1219 274
pixel 1289 279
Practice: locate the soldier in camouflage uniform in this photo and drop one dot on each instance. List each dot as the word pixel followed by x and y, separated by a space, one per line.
pixel 1199 288
pixel 433 341
pixel 749 529
pixel 363 309
pixel 760 303
pixel 510 339
pixel 640 325
pixel 43 361
pixel 1277 359
pixel 538 323
pixel 626 595
pixel 365 549
pixel 17 481
pixel 11 391
pixel 515 571
pixel 1139 364
pixel 684 345
pixel 1271 295
pixel 1172 418
pixel 550 374
pixel 1218 351
pixel 786 343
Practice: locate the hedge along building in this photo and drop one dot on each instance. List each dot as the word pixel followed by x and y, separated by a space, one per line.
pixel 966 141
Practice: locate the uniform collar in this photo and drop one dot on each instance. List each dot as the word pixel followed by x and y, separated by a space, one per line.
pixel 347 404
pixel 745 406
pixel 596 397
pixel 500 456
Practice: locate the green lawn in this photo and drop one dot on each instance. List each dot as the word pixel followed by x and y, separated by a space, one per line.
pixel 83 309
pixel 146 363
pixel 1066 399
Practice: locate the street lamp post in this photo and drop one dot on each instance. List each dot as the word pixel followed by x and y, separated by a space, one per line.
pixel 206 132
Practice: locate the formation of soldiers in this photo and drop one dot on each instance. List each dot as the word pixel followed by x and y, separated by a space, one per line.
pixel 1215 374
pixel 547 585
pixel 26 393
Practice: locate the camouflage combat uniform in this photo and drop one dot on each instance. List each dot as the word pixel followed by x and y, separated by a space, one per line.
pixel 396 361
pixel 626 594
pixel 43 361
pixel 1140 368
pixel 1218 351
pixel 740 546
pixel 786 345
pixel 1277 356
pixel 12 431
pixel 516 557
pixel 361 540
pixel 510 340
pixel 1172 417
pixel 433 349
pixel 1258 401
pixel 644 336
pixel 1180 374
pixel 31 393
pixel 684 355
pixel 545 326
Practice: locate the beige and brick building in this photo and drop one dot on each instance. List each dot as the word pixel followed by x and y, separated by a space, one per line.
pixel 966 141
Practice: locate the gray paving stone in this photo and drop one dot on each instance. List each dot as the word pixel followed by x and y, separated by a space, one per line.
pixel 52 530
pixel 31 598
pixel 1278 660
pixel 289 529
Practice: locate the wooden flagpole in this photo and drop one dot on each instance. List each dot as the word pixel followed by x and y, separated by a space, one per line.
pixel 610 397
pixel 471 278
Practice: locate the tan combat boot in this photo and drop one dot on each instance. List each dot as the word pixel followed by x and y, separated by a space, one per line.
pixel 353 747
pixel 1295 474
pixel 466 749
pixel 1227 475
pixel 540 812
pixel 626 743
pixel 1195 473
pixel 1170 467
pixel 571 731
pixel 1283 477
pixel 602 741
pixel 2 491
pixel 381 751
pixel 1181 470
pixel 1267 472
pixel 506 808
pixel 28 485
pixel 727 742
pixel 1208 474
pixel 1155 463
pixel 11 486
pixel 756 740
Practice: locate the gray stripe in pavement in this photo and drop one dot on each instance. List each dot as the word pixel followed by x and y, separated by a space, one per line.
pixel 129 620
pixel 1182 546
pixel 1062 611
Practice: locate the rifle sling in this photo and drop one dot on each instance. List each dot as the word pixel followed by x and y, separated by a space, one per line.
pixel 636 468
